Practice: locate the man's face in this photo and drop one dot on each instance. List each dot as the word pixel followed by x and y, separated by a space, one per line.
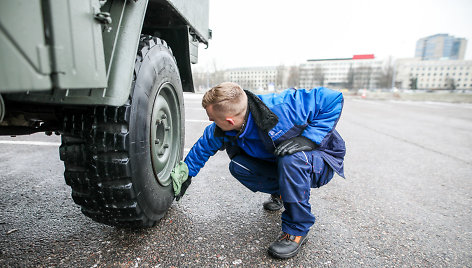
pixel 223 121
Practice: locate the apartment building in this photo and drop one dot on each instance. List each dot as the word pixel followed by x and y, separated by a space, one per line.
pixel 360 71
pixel 415 73
pixel 253 78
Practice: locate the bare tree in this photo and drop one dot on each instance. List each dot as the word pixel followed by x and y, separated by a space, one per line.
pixel 413 83
pixel 293 77
pixel 279 79
pixel 201 79
pixel 318 76
pixel 350 78
pixel 386 76
pixel 362 77
pixel 450 83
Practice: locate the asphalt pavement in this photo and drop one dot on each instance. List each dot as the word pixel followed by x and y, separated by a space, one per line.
pixel 406 201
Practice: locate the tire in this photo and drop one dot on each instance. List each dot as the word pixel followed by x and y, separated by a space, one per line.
pixel 118 159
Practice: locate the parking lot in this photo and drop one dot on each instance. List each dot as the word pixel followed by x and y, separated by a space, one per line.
pixel 406 201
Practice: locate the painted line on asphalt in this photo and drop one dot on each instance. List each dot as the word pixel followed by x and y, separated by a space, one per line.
pixel 197 120
pixel 45 143
pixel 38 143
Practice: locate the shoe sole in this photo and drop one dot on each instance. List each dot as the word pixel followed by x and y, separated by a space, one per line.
pixel 273 209
pixel 291 254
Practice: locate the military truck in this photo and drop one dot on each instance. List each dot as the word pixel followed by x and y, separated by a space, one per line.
pixel 102 75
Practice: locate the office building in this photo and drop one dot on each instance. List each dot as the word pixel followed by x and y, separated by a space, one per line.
pixel 414 73
pixel 440 46
pixel 253 78
pixel 358 72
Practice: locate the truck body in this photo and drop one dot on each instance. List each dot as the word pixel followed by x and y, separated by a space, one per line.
pixel 81 68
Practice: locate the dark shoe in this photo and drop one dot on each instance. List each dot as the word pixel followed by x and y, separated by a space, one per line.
pixel 287 246
pixel 275 203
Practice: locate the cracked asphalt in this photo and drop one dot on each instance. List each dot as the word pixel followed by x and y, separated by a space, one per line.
pixel 407 201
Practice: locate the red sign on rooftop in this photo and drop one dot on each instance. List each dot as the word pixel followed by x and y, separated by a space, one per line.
pixel 363 57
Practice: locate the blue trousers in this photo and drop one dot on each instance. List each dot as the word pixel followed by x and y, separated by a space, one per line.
pixel 291 176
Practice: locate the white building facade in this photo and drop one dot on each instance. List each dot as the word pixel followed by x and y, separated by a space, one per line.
pixel 414 73
pixel 253 78
pixel 358 72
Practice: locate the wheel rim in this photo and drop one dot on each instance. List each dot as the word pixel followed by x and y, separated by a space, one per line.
pixel 165 133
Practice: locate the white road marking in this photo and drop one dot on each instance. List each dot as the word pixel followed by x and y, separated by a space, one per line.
pixel 197 120
pixel 39 143
pixel 45 143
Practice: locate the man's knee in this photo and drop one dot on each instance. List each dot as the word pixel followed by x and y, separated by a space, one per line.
pixel 296 161
pixel 294 177
pixel 238 169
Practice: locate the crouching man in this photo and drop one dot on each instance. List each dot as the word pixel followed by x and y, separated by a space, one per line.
pixel 280 144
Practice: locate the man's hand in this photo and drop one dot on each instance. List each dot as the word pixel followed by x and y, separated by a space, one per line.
pixel 180 179
pixel 293 145
pixel 184 187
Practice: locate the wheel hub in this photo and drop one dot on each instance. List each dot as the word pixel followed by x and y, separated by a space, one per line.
pixel 165 134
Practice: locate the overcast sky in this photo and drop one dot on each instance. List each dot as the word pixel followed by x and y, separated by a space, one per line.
pixel 273 32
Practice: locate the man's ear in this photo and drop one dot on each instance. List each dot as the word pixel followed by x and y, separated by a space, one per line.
pixel 230 120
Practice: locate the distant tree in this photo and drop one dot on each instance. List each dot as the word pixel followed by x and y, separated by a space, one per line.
pixel 318 76
pixel 350 78
pixel 450 83
pixel 218 75
pixel 279 79
pixel 414 83
pixel 200 79
pixel 386 76
pixel 362 77
pixel 293 77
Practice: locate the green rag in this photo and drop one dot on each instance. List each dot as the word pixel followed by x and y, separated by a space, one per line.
pixel 179 175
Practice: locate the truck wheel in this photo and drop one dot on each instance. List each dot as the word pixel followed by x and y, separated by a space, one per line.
pixel 118 159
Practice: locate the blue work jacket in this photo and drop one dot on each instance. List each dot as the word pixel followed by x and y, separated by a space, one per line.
pixel 277 117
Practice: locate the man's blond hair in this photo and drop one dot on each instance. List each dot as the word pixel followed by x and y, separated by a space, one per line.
pixel 227 97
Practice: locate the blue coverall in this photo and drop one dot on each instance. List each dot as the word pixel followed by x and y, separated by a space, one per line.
pixel 272 119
